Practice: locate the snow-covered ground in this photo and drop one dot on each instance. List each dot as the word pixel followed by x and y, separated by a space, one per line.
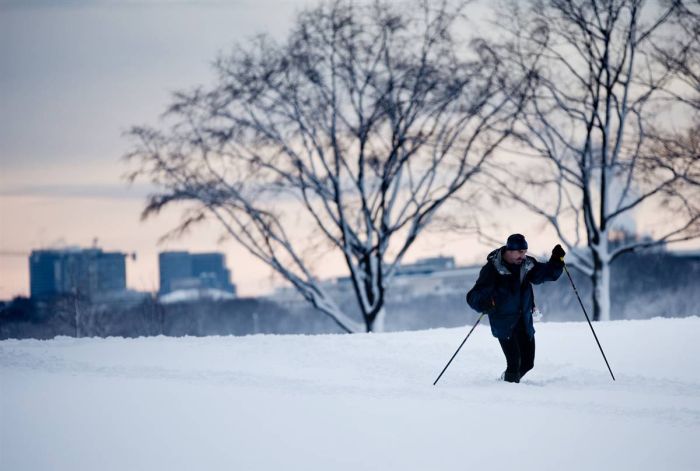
pixel 360 402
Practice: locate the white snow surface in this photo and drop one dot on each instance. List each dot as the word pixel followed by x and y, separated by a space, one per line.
pixel 194 294
pixel 355 402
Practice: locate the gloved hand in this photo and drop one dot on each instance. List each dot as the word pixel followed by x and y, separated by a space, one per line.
pixel 558 253
pixel 488 305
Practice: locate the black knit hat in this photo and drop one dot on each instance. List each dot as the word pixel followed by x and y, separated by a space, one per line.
pixel 516 242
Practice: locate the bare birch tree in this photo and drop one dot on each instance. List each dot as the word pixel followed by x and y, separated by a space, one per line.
pixel 680 53
pixel 360 126
pixel 590 129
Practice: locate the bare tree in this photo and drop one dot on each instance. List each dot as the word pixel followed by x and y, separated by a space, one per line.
pixel 590 128
pixel 360 126
pixel 680 53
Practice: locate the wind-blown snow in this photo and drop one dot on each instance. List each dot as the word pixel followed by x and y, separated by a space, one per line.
pixel 354 402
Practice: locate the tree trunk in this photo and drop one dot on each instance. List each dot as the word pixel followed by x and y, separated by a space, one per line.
pixel 377 324
pixel 601 289
pixel 77 317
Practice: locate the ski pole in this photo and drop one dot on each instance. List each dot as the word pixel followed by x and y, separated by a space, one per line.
pixel 589 321
pixel 460 346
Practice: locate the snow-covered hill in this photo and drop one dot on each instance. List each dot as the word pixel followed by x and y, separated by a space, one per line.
pixel 360 402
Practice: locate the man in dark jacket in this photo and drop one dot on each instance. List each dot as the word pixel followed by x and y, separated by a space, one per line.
pixel 504 292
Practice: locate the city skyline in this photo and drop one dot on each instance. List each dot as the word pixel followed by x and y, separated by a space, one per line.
pixel 94 273
pixel 131 257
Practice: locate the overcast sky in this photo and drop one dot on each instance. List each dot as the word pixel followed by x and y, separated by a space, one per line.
pixel 77 73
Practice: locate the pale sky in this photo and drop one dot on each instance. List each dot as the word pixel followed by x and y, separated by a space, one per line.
pixel 74 75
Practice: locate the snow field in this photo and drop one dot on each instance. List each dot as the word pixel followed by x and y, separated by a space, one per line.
pixel 355 402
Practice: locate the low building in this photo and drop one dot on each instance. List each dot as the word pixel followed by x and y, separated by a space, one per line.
pixel 428 276
pixel 180 270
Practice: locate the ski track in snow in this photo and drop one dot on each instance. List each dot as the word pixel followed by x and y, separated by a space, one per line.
pixel 658 381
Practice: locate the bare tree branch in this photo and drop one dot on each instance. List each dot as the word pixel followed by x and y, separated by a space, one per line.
pixel 362 125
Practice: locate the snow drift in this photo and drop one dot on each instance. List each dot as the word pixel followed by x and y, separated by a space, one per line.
pixel 354 402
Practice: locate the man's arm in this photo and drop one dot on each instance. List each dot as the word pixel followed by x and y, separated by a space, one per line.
pixel 550 271
pixel 480 297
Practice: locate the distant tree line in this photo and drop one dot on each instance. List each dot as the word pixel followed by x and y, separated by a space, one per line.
pixel 73 317
pixel 647 285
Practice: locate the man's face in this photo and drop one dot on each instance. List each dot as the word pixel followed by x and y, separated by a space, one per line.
pixel 514 257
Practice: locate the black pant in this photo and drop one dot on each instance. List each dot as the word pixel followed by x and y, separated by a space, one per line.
pixel 519 350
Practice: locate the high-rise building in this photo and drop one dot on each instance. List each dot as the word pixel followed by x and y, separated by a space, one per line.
pixel 173 266
pixel 183 270
pixel 84 272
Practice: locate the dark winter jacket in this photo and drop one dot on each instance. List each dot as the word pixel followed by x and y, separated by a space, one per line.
pixel 505 296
